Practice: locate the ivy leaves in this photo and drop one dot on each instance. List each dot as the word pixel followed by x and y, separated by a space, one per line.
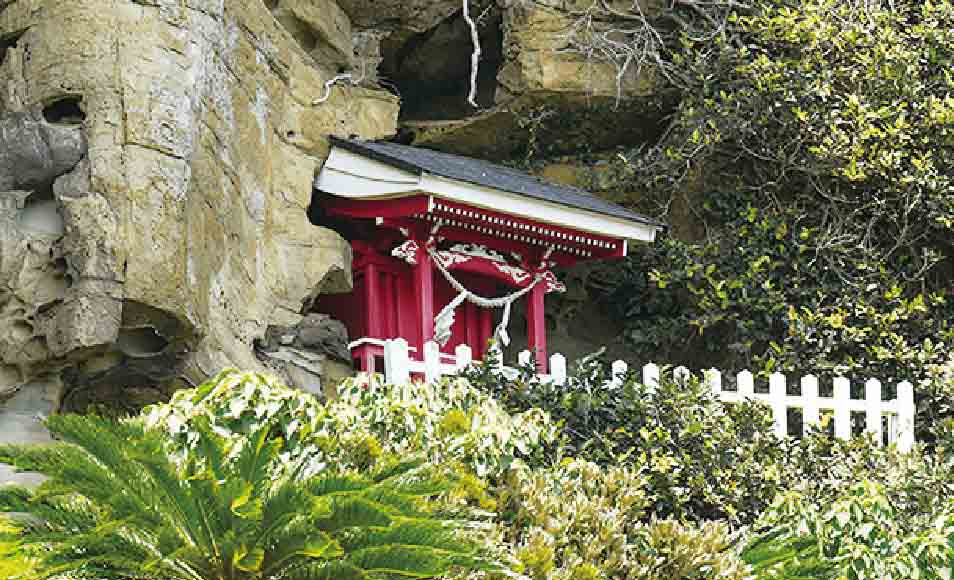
pixel 816 153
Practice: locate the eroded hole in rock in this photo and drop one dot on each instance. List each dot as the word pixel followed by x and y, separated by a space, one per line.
pixel 431 70
pixel 118 391
pixel 65 111
pixel 10 376
pixel 41 215
pixel 21 330
pixel 61 272
pixel 141 342
pixel 8 42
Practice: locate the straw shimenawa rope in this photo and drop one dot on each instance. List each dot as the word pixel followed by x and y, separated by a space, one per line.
pixel 445 319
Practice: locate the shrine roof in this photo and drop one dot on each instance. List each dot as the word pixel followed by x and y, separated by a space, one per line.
pixel 486 174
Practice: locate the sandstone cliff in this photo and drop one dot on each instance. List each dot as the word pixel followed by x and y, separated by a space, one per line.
pixel 157 158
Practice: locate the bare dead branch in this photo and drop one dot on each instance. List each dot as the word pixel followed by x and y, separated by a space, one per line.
pixel 475 55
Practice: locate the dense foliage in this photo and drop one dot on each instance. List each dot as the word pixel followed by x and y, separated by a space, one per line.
pixel 117 506
pixel 701 459
pixel 859 536
pixel 583 521
pixel 13 562
pixel 243 478
pixel 811 158
pixel 446 421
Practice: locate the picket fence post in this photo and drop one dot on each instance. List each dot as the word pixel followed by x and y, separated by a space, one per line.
pixel 558 368
pixel 714 380
pixel 432 361
pixel 746 383
pixel 777 394
pixel 524 358
pixel 906 412
pixel 810 414
pixel 619 370
pixel 651 375
pixel 680 375
pixel 873 422
pixel 396 362
pixel 842 414
pixel 464 356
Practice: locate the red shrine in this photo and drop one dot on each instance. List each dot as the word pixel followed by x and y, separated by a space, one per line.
pixel 442 242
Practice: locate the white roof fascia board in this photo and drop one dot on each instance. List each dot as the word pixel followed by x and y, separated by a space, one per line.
pixel 355 176
pixel 537 209
pixel 350 175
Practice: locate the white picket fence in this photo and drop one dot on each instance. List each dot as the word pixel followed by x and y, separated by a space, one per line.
pixel 898 412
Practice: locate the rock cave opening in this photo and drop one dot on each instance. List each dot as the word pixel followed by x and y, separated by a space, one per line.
pixel 431 70
pixel 41 214
pixel 7 42
pixel 141 342
pixel 65 111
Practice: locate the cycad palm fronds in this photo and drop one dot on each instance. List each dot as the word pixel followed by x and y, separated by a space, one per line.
pixel 117 506
pixel 780 556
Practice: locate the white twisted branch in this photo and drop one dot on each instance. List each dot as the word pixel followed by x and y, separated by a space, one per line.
pixel 474 56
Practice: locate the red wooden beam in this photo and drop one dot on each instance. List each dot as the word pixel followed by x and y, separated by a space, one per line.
pixel 467 236
pixel 607 247
pixel 369 209
pixel 390 306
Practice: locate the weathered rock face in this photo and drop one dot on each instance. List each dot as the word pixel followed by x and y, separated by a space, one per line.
pixel 538 82
pixel 35 152
pixel 312 353
pixel 156 166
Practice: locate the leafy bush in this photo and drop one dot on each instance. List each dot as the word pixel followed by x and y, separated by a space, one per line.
pixel 572 518
pixel 448 421
pixel 823 469
pixel 14 565
pixel 580 521
pixel 116 506
pixel 807 171
pixel 858 537
pixel 701 459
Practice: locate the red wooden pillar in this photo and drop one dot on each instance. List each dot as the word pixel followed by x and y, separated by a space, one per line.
pixel 472 325
pixel 486 330
pixel 424 286
pixel 390 307
pixel 537 325
pixel 374 300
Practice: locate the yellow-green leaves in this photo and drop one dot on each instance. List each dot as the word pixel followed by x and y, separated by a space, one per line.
pixel 248 559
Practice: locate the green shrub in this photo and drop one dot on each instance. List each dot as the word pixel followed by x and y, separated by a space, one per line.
pixel 572 517
pixel 14 564
pixel 116 505
pixel 581 521
pixel 447 422
pixel 702 459
pixel 807 171
pixel 860 536
pixel 823 469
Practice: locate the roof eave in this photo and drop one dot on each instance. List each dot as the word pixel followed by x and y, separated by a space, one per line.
pixel 355 172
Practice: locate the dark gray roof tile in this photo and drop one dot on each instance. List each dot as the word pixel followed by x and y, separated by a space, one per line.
pixel 478 172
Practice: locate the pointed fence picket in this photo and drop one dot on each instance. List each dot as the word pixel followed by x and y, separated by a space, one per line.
pixel 900 411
